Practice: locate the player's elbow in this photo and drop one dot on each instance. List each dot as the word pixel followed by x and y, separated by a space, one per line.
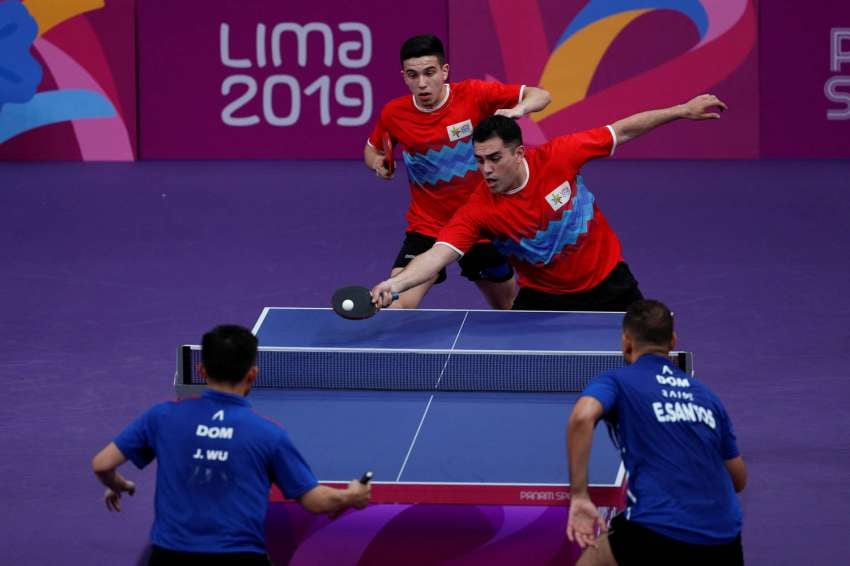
pixel 740 482
pixel 369 155
pixel 545 97
pixel 622 134
pixel 585 413
pixel 100 464
pixel 107 459
pixel 579 420
pixel 738 473
pixel 321 499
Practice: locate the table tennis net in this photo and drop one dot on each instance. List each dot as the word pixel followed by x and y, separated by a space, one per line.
pixel 421 370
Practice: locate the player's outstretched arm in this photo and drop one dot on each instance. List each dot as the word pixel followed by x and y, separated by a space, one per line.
pixel 331 501
pixel 374 160
pixel 703 107
pixel 534 99
pixel 421 269
pixel 584 521
pixel 105 467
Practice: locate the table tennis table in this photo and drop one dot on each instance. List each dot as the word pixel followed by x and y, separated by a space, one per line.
pixel 436 403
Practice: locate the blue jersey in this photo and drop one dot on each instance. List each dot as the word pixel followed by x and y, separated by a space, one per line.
pixel 216 461
pixel 675 437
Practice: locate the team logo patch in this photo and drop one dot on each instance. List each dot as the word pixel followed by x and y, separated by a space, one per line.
pixel 460 130
pixel 560 196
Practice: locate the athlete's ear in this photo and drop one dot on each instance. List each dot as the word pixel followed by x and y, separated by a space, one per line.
pixel 627 346
pixel 251 376
pixel 673 341
pixel 202 371
pixel 445 70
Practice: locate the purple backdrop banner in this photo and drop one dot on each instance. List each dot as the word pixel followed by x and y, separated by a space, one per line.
pixel 604 60
pixel 260 79
pixel 805 80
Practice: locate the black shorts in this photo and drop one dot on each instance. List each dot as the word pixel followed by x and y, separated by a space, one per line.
pixel 634 544
pixel 164 557
pixel 615 293
pixel 482 262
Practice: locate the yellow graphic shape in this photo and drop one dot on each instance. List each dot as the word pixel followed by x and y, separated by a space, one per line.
pixel 570 68
pixel 49 13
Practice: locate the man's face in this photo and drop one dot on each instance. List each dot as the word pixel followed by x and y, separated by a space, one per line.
pixel 500 165
pixel 424 76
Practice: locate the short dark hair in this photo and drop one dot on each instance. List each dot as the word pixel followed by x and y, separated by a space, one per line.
pixel 228 352
pixel 498 126
pixel 423 46
pixel 649 322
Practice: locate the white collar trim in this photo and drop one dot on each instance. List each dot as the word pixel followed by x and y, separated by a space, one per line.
pixel 437 107
pixel 524 183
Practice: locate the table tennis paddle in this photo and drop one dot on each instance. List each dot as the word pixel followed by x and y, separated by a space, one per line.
pixel 360 305
pixel 366 478
pixel 389 160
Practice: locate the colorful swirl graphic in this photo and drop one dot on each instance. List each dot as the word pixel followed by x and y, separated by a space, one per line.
pixel 726 31
pixel 85 94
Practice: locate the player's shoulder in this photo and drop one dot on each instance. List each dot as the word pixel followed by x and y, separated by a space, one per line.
pixel 398 104
pixel 172 406
pixel 473 87
pixel 466 84
pixel 622 377
pixel 605 386
pixel 578 137
pixel 611 375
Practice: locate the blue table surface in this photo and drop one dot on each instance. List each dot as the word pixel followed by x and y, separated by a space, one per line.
pixel 442 329
pixel 512 438
pixel 444 437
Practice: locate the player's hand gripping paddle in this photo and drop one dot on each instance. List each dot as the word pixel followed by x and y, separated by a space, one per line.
pixel 354 303
pixel 389 160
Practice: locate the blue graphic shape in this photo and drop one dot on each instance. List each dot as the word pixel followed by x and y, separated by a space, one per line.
pixel 20 73
pixel 548 243
pixel 432 166
pixel 597 10
pixel 52 107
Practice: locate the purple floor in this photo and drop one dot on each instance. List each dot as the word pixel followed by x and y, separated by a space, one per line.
pixel 107 267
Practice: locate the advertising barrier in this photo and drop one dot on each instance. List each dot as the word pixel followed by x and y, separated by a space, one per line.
pixel 225 80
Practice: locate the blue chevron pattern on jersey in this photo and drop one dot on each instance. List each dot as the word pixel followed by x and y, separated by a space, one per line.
pixel 432 166
pixel 559 234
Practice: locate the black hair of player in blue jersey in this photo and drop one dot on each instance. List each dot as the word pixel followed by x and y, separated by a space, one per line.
pixel 228 352
pixel 423 46
pixel 649 322
pixel 501 127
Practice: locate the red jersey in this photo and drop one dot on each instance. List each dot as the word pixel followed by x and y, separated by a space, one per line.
pixel 437 147
pixel 550 228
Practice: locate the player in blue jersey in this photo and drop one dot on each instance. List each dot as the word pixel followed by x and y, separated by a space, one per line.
pixel 680 454
pixel 216 460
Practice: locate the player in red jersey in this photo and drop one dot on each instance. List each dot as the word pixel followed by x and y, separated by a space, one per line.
pixel 434 128
pixel 537 211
